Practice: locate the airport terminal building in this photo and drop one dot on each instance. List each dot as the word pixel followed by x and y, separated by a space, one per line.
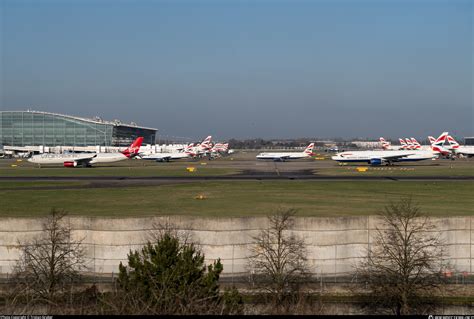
pixel 34 128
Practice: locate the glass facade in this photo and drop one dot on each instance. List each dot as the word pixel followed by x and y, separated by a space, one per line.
pixel 26 128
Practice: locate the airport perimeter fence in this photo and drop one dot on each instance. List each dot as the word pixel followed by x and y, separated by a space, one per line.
pixel 315 281
pixel 334 245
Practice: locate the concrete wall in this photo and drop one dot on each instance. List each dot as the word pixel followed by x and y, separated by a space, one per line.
pixel 334 244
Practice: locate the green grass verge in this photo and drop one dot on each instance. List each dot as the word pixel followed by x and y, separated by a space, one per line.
pixel 130 171
pixel 246 198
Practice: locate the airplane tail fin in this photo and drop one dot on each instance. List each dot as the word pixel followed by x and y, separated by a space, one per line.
pixel 207 142
pixel 133 149
pixel 431 139
pixel 409 143
pixel 452 142
pixel 309 149
pixel 415 142
pixel 402 143
pixel 437 145
pixel 441 139
pixel 385 144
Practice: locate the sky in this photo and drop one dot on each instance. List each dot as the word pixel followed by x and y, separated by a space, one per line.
pixel 245 69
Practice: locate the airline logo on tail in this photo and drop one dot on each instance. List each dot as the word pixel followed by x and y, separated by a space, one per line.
pixel 133 149
pixel 441 139
pixel 385 144
pixel 309 149
pixel 415 143
pixel 206 144
pixel 431 139
pixel 452 142
pixel 220 147
pixel 410 145
pixel 437 146
pixel 403 144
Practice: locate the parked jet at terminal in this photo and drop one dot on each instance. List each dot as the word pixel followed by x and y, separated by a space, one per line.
pixel 87 159
pixel 201 149
pixel 308 152
pixel 166 157
pixel 459 149
pixel 391 156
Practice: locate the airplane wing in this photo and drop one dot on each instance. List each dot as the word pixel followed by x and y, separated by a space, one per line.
pixel 393 157
pixel 84 161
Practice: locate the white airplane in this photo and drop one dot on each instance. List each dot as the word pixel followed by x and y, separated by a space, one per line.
pixel 383 157
pixel 220 149
pixel 390 156
pixel 281 157
pixel 165 157
pixel 460 149
pixel 386 145
pixel 87 159
pixel 201 149
pixel 408 145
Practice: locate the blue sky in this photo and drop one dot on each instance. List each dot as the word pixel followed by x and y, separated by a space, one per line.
pixel 271 69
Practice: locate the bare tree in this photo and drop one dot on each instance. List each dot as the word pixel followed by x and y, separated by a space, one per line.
pixel 159 229
pixel 403 268
pixel 49 263
pixel 278 258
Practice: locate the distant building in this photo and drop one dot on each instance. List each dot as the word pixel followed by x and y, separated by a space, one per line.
pixel 367 144
pixel 34 128
pixel 469 140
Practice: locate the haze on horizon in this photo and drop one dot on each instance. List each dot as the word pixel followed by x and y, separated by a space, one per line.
pixel 244 69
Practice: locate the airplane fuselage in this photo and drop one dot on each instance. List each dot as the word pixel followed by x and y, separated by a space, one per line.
pixel 95 158
pixel 378 157
pixel 282 156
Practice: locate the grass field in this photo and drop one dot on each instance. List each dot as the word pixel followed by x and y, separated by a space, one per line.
pixel 126 168
pixel 245 198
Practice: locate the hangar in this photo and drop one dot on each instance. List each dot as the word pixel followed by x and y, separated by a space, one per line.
pixel 36 128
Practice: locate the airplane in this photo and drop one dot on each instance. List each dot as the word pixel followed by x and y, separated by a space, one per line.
pixel 403 144
pixel 383 157
pixel 87 159
pixel 220 148
pixel 388 146
pixel 385 144
pixel 201 149
pixel 166 157
pixel 415 142
pixel 281 157
pixel 437 145
pixel 411 144
pixel 460 149
pixel 388 157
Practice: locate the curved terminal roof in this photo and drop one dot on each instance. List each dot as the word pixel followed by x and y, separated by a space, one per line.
pixel 90 120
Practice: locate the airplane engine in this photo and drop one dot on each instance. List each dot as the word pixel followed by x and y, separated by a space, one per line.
pixel 375 161
pixel 70 164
